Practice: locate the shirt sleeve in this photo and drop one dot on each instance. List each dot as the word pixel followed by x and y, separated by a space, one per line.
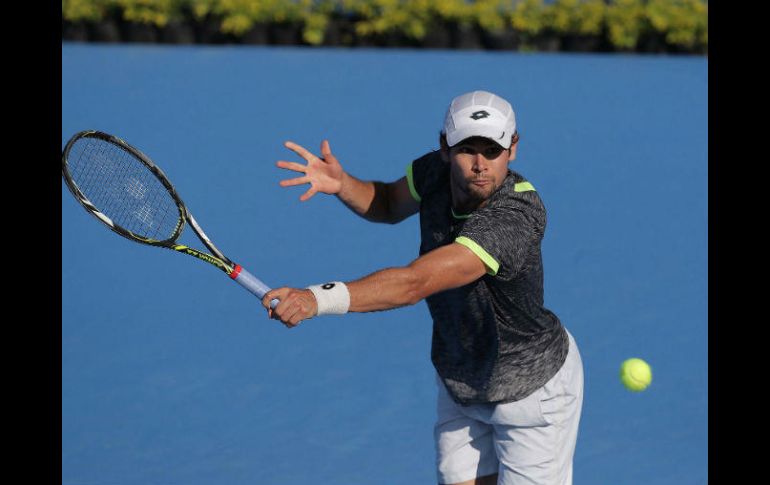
pixel 411 182
pixel 422 174
pixel 505 238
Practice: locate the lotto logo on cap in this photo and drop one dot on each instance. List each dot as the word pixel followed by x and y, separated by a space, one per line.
pixel 480 113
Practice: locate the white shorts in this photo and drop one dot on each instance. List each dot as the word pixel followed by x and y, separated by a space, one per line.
pixel 530 441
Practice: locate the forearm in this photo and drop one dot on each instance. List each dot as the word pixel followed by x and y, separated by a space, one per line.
pixel 369 200
pixel 447 267
pixel 386 289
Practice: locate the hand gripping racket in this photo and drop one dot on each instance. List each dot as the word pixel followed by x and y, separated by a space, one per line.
pixel 124 189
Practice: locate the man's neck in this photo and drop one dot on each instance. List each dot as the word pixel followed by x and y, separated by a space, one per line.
pixel 466 206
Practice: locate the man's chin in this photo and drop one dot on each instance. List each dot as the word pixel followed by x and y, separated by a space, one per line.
pixel 481 194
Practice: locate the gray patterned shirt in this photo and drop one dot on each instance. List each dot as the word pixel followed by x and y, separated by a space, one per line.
pixel 493 340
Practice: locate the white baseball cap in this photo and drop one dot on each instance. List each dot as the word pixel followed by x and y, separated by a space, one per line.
pixel 479 113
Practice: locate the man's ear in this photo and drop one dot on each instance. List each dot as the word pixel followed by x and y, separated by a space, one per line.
pixel 512 154
pixel 444 150
pixel 514 145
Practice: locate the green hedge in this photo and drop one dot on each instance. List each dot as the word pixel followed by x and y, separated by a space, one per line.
pixel 611 25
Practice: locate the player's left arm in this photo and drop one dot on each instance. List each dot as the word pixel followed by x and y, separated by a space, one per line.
pixel 444 268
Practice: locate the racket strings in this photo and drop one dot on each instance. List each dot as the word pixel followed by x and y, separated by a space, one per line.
pixel 123 188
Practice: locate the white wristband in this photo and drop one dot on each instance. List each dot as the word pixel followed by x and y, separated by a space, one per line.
pixel 333 298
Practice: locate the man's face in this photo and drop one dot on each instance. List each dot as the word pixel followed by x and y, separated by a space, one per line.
pixel 478 167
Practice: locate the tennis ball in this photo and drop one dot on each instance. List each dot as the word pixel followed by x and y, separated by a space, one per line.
pixel 635 374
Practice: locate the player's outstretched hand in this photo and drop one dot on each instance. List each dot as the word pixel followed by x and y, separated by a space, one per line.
pixel 324 174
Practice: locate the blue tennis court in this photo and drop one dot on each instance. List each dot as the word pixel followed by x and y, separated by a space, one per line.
pixel 172 374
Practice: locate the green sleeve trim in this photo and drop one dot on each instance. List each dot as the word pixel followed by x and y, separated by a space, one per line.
pixel 410 181
pixel 459 216
pixel 523 187
pixel 489 261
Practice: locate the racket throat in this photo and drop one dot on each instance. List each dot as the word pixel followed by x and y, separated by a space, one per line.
pixel 205 257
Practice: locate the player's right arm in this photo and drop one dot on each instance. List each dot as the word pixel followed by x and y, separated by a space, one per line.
pixel 374 201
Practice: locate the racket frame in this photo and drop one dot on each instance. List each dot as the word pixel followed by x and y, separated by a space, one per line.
pixel 216 258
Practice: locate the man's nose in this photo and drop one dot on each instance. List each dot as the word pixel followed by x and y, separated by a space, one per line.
pixel 480 163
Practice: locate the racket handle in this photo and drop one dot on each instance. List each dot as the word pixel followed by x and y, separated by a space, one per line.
pixel 251 283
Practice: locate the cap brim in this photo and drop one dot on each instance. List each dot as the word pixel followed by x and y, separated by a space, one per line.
pixel 502 138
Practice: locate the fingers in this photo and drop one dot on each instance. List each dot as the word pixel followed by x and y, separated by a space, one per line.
pixel 310 193
pixel 299 150
pixel 324 175
pixel 326 153
pixel 296 181
pixel 292 317
pixel 325 148
pixel 279 293
pixel 294 307
pixel 297 167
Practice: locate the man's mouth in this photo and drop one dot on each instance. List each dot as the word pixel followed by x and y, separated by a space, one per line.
pixel 481 182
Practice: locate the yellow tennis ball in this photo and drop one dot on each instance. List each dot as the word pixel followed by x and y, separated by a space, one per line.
pixel 635 374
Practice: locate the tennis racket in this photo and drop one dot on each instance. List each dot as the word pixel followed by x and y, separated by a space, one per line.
pixel 125 190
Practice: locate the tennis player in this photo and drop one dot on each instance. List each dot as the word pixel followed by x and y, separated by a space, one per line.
pixel 509 375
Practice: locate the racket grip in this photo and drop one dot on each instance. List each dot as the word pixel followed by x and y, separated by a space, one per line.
pixel 251 283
